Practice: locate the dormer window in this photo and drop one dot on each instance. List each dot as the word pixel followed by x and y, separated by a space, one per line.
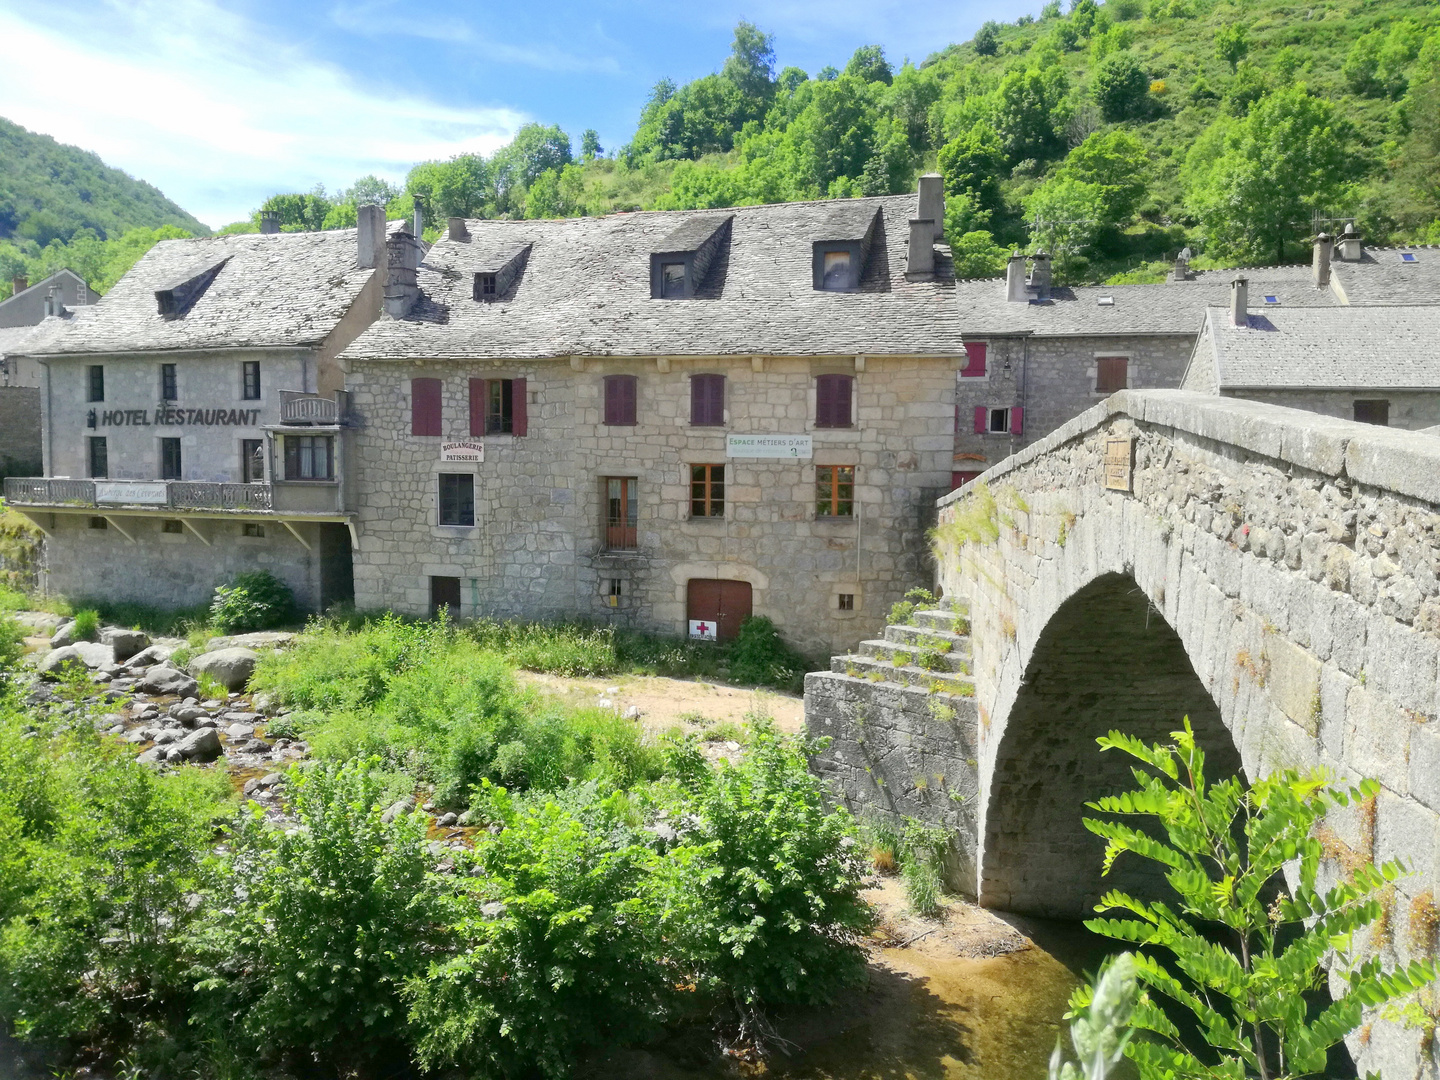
pixel 837 272
pixel 494 266
pixel 672 279
pixel 484 286
pixel 175 299
pixel 842 247
pixel 680 263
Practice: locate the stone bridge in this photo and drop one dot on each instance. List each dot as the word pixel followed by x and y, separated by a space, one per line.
pixel 1270 573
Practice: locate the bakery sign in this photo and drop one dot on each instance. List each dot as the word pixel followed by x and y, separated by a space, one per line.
pixel 462 450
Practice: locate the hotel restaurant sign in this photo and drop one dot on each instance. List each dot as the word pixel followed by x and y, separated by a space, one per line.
pixel 170 416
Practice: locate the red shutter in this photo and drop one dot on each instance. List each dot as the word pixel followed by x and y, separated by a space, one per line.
pixel 519 413
pixel 425 406
pixel 707 400
pixel 975 350
pixel 631 387
pixel 980 416
pixel 960 477
pixel 479 398
pixel 1017 416
pixel 843 386
pixel 832 401
pixel 620 395
pixel 612 400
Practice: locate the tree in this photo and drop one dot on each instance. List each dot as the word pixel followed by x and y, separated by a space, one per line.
pixel 590 145
pixel 1254 182
pixel 1027 111
pixel 1232 44
pixel 369 189
pixel 976 253
pixel 1116 162
pixel 1120 87
pixel 1362 63
pixel 1242 950
pixel 298 213
pixel 1419 171
pixel 543 199
pixel 751 64
pixel 791 80
pixel 971 166
pixel 987 39
pixel 868 64
pixel 834 134
pixel 1067 215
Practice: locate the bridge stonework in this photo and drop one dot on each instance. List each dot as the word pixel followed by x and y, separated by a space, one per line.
pixel 1271 573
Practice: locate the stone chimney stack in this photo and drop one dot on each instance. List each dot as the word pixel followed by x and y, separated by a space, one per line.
pixel 920 261
pixel 370 236
pixel 1239 310
pixel 269 222
pixel 54 301
pixel 402 258
pixel 1015 279
pixel 1181 271
pixel 932 201
pixel 1320 265
pixel 419 216
pixel 18 284
pixel 1351 249
pixel 458 230
pixel 1040 276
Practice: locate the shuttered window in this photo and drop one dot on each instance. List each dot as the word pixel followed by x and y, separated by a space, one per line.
pixel 707 400
pixel 497 407
pixel 991 421
pixel 621 514
pixel 424 406
pixel 1111 374
pixel 975 352
pixel 832 401
pixel 620 398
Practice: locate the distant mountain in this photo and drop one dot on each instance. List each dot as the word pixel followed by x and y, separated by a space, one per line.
pixel 49 190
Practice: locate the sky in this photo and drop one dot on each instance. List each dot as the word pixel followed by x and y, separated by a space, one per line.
pixel 221 104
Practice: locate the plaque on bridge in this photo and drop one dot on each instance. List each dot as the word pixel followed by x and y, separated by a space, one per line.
pixel 1119 463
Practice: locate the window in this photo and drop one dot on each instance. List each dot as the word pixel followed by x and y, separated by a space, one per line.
pixel 1272 299
pixel 457 499
pixel 309 457
pixel 975 354
pixel 96 383
pixel 169 525
pixel 252 461
pixel 485 287
pixel 1111 374
pixel 424 406
pixel 613 591
pixel 169 459
pixel 250 380
pixel 835 272
pixel 1408 256
pixel 99 523
pixel 835 491
pixel 99 457
pixel 707 400
pixel 497 407
pixel 707 491
pixel 991 421
pixel 832 401
pixel 846 601
pixel 672 279
pixel 620 396
pixel 252 528
pixel 620 513
pixel 444 593
pixel 168 391
pixel 1373 412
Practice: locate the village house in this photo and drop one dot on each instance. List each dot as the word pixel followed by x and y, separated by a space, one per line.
pixel 667 420
pixel 193 421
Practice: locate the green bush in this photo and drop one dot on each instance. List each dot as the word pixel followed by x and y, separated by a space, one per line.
pixel 86 626
pixel 254 600
pixel 12 645
pixel 922 856
pixel 903 610
pixel 759 656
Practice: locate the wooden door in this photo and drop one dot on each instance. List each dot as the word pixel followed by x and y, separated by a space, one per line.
pixel 725 603
pixel 445 592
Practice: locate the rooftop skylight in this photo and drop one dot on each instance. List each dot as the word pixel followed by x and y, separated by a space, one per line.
pixel 1106 301
pixel 1408 256
pixel 1272 299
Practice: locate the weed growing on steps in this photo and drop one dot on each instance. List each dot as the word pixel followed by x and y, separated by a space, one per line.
pixel 902 611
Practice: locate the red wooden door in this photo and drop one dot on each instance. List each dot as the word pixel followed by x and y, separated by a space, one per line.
pixel 725 603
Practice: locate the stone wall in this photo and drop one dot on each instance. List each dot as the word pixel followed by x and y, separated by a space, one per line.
pixel 537 549
pixel 19 431
pixel 1409 409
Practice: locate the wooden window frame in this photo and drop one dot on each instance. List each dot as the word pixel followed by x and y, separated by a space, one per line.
pixel 459 503
pixel 169 383
pixel 299 456
pixel 170 469
pixel 621 513
pixel 250 389
pixel 1101 386
pixel 830 484
pixel 707 491
pixel 252 454
pixel 93 443
pixel 95 382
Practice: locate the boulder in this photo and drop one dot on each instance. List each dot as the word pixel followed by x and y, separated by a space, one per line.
pixel 397 809
pixel 188 714
pixel 153 756
pixel 200 745
pixel 94 654
pixel 86 654
pixel 163 679
pixel 153 654
pixel 126 643
pixel 260 639
pixel 64 636
pixel 43 623
pixel 231 668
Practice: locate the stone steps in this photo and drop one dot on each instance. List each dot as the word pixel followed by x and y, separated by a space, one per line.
pixel 923 637
pixel 955 622
pixel 935 660
pixel 876 669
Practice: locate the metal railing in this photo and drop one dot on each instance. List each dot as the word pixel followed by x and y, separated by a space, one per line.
pixel 175 494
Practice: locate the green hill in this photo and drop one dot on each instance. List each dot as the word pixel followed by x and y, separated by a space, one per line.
pixel 49 191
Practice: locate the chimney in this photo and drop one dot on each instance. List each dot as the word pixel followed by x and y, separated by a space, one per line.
pixel 1350 247
pixel 457 230
pixel 1320 266
pixel 1239 312
pixel 1015 279
pixel 54 302
pixel 1040 276
pixel 932 201
pixel 269 222
pixel 419 216
pixel 370 236
pixel 1181 272
pixel 401 288
pixel 920 262
pixel 18 284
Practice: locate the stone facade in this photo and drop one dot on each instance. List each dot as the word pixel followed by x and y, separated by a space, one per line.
pixel 537 547
pixel 20 410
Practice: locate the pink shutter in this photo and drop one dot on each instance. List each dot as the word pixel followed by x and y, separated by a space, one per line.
pixel 479 397
pixel 519 413
pixel 1017 416
pixel 425 406
pixel 620 400
pixel 980 425
pixel 975 350
pixel 824 401
pixel 612 400
pixel 631 397
pixel 843 385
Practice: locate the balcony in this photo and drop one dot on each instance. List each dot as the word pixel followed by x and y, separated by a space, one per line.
pixel 55 493
pixel 298 408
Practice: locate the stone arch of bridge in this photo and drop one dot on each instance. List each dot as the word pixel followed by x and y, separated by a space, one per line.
pixel 1106 659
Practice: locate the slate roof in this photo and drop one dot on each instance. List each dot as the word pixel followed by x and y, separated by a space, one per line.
pixel 1382 276
pixel 275 289
pixel 585 290
pixel 1372 347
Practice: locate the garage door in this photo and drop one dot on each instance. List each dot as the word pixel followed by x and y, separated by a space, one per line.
pixel 725 604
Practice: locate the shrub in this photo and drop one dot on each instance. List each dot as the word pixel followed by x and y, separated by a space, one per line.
pixel 254 600
pixel 211 688
pixel 759 656
pixel 12 645
pixel 86 626
pixel 922 855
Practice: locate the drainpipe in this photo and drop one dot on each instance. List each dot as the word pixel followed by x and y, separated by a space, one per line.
pixel 1024 384
pixel 47 465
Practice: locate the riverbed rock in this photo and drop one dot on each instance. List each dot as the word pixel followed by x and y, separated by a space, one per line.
pixel 260 639
pixel 125 643
pixel 151 654
pixel 395 809
pixel 230 667
pixel 63 636
pixel 43 623
pixel 153 756
pixel 80 655
pixel 164 679
pixel 188 714
pixel 200 745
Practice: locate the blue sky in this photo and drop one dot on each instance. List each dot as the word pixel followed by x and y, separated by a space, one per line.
pixel 221 103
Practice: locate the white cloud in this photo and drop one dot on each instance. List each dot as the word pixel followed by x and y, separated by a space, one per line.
pixel 214 111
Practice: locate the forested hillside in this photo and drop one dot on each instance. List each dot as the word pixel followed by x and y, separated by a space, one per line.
pixel 63 206
pixel 1113 135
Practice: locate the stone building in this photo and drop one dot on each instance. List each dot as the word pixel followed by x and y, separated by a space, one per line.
pixel 193 419
pixel 1379 364
pixel 666 420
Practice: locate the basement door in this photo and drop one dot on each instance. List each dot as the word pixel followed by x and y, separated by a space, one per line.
pixel 724 603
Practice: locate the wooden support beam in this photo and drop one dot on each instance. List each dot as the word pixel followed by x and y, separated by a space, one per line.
pixel 354 535
pixel 114 523
pixel 295 533
pixel 199 535
pixel 34 519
